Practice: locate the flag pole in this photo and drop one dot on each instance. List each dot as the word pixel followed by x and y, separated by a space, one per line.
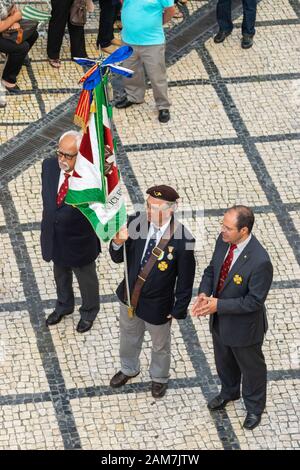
pixel 129 308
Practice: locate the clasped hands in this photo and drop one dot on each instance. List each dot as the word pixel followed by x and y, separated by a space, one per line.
pixel 204 306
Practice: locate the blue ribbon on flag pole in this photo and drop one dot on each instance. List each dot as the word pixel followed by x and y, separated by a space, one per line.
pixel 110 62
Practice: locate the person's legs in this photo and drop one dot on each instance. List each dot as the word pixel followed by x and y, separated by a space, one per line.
pixel 135 86
pixel 132 332
pixel 224 15
pixel 252 364
pixel 57 25
pixel 16 54
pixel 153 58
pixel 227 368
pixel 64 289
pixel 89 290
pixel 248 25
pixel 77 40
pixel 106 23
pixel 161 352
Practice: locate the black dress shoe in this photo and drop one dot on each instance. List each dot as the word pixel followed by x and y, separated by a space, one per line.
pixel 251 421
pixel 164 115
pixel 84 325
pixel 27 61
pixel 221 36
pixel 158 390
pixel 55 317
pixel 247 41
pixel 124 103
pixel 15 89
pixel 120 379
pixel 218 403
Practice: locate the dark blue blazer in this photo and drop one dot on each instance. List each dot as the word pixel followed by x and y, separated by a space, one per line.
pixel 67 237
pixel 165 292
pixel 241 304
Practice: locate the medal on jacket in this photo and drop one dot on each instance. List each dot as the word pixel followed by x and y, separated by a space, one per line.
pixel 162 266
pixel 170 256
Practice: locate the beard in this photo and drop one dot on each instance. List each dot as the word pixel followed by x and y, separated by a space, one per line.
pixel 64 166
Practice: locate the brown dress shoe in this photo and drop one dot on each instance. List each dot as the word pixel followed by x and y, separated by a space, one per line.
pixel 158 389
pixel 120 379
pixel 116 42
pixel 109 49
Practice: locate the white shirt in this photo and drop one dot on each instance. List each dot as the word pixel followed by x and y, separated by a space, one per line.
pixel 159 234
pixel 238 250
pixel 62 178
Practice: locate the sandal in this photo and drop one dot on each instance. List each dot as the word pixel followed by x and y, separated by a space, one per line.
pixel 178 13
pixel 55 63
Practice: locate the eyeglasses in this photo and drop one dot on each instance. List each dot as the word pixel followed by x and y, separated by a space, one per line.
pixel 227 229
pixel 158 207
pixel 67 156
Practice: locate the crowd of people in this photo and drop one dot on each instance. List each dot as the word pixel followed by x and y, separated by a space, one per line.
pixel 141 24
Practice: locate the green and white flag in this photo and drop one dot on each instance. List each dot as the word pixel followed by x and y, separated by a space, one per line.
pixel 94 187
pixel 31 13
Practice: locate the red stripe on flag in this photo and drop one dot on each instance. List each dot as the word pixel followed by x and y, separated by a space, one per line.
pixel 85 147
pixel 113 176
pixel 108 138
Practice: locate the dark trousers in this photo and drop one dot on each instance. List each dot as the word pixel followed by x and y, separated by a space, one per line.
pixel 108 14
pixel 88 285
pixel 224 16
pixel 16 54
pixel 59 19
pixel 246 364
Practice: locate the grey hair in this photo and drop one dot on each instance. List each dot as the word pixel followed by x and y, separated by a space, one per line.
pixel 77 135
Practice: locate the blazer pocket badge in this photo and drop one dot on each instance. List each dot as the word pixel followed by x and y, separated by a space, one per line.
pixel 162 266
pixel 238 279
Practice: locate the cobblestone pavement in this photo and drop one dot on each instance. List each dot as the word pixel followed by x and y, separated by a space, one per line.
pixel 234 136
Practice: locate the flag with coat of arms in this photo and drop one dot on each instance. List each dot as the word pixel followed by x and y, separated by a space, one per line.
pixel 94 187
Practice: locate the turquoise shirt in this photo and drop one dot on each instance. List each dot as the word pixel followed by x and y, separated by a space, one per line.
pixel 142 21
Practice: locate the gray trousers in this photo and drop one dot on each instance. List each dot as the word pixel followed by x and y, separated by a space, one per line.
pixel 153 59
pixel 88 285
pixel 132 331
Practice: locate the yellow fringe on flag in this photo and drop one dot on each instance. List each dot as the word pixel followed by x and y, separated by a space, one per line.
pixel 82 111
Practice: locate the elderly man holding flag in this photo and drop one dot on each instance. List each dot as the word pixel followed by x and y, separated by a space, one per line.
pixel 82 199
pixel 158 252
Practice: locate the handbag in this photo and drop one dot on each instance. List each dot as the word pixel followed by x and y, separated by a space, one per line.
pixel 27 28
pixel 78 14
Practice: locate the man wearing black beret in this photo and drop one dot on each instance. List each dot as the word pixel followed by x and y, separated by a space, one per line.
pixel 161 269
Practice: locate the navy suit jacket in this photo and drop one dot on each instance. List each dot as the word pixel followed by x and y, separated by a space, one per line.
pixel 165 292
pixel 241 303
pixel 67 237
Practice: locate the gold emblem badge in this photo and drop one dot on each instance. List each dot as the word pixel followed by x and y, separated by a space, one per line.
pixel 162 266
pixel 157 193
pixel 170 249
pixel 238 279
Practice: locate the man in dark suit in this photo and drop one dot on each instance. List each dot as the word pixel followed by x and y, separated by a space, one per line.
pixel 67 238
pixel 226 25
pixel 238 277
pixel 165 294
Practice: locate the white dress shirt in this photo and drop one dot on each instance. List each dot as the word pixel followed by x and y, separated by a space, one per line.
pixel 62 178
pixel 159 234
pixel 161 230
pixel 237 252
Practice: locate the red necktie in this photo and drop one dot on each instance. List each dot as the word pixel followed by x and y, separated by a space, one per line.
pixel 225 268
pixel 63 190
